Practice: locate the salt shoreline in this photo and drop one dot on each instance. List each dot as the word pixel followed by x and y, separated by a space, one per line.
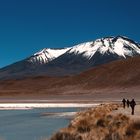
pixel 26 106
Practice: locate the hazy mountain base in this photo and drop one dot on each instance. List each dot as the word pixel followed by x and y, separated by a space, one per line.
pixel 111 81
pixel 100 124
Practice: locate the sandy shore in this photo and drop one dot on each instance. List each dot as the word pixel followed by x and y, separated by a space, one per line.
pixel 127 112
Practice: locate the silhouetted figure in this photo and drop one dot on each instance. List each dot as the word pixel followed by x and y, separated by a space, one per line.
pixel 128 103
pixel 132 105
pixel 124 102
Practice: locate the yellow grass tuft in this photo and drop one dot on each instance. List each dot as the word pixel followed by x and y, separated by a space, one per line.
pixel 99 124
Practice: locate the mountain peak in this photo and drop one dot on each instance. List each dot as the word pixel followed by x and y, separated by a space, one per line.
pixel 73 60
pixel 119 45
pixel 46 55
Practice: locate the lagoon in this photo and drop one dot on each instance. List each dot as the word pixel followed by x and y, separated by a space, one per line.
pixel 30 124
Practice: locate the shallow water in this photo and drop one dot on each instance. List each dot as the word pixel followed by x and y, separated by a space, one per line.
pixel 30 124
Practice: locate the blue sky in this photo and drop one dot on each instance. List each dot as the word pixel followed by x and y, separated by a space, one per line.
pixel 27 26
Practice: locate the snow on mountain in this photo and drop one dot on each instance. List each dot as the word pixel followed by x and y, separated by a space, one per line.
pixel 46 55
pixel 121 46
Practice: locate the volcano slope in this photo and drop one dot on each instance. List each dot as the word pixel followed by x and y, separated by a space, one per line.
pixel 72 60
pixel 110 81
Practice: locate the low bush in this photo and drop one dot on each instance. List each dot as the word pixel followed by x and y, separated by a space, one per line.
pixel 100 124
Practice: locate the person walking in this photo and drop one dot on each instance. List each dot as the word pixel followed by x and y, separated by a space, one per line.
pixel 128 103
pixel 132 105
pixel 124 102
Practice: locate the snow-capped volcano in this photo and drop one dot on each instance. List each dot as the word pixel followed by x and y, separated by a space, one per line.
pixel 73 60
pixel 121 46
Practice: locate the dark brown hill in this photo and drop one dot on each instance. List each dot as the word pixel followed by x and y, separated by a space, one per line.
pixel 122 74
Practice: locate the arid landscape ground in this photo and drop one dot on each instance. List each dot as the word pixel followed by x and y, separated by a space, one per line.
pixel 111 81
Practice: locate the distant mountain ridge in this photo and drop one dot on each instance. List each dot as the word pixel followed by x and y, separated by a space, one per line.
pixel 73 60
pixel 122 46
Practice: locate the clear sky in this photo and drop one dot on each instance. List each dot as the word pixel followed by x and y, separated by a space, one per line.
pixel 27 26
